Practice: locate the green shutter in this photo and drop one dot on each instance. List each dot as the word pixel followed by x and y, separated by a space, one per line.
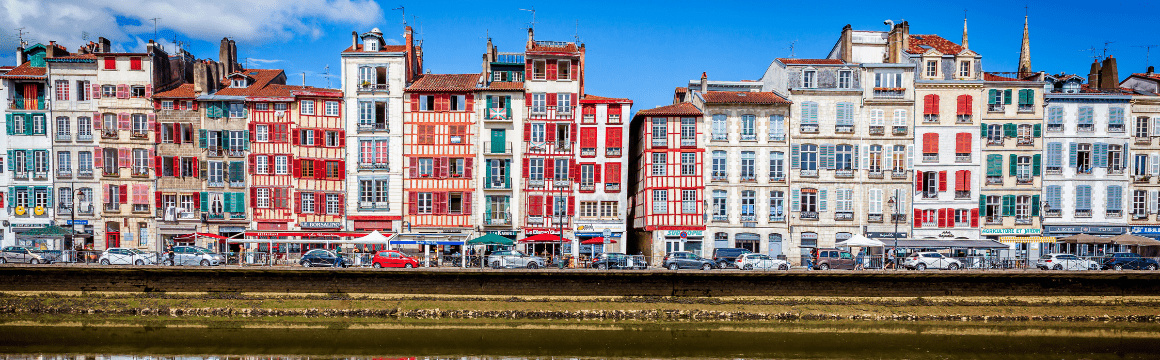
pixel 992 97
pixel 28 161
pixel 994 165
pixel 11 196
pixel 228 202
pixel 1013 167
pixel 204 201
pixel 983 130
pixel 1008 205
pixel 10 125
pixel 246 140
pixel 236 171
pixel 1009 130
pixel 31 196
pixel 1037 130
pixel 982 205
pixel 201 136
pixel 11 160
pixel 487 110
pixel 508 105
pixel 49 190
pixel 27 125
pixel 1035 205
pixel 1007 97
pixel 1035 165
pixel 223 140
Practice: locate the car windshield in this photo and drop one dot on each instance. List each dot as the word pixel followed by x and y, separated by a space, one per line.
pixel 518 253
pixel 934 255
pixel 133 251
pixel 759 257
pixel 1068 257
pixel 202 251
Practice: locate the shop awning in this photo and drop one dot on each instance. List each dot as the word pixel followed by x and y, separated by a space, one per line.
pixel 597 241
pixel 197 235
pixel 947 244
pixel 277 233
pixel 1134 240
pixel 51 231
pixel 1026 239
pixel 541 238
pixel 491 239
pixel 1086 239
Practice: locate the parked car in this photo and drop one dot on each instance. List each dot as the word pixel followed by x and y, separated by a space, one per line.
pixel 619 261
pixel 126 256
pixel 834 259
pixel 20 254
pixel 725 257
pixel 514 259
pixel 193 255
pixel 1058 261
pixel 751 261
pixel 924 260
pixel 322 257
pixel 393 259
pixel 1121 261
pixel 687 260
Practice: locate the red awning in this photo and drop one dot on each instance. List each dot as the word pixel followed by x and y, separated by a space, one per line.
pixel 542 238
pixel 197 235
pixel 597 241
pixel 274 233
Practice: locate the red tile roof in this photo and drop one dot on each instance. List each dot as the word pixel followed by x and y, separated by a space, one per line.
pixel 680 90
pixel 937 42
pixel 26 71
pixel 743 97
pixel 185 91
pixel 80 56
pixel 989 76
pixel 262 78
pixel 681 109
pixel 384 48
pixel 601 99
pixel 811 61
pixel 1145 75
pixel 504 85
pixel 548 46
pixel 445 82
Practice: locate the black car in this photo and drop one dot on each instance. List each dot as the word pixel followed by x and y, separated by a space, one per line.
pixel 725 257
pixel 1125 260
pixel 687 260
pixel 322 257
pixel 619 261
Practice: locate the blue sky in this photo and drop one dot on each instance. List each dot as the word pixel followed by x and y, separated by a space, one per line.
pixel 638 50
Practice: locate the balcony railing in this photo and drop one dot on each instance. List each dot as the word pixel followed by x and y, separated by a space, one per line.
pixel 693 142
pixel 843 129
pixel 1023 220
pixel 1024 141
pixel 994 108
pixel 139 134
pixel 929 194
pixel 374 166
pixel 718 176
pixel 875 174
pixel 214 151
pixel 1141 178
pixel 719 137
pixel 1143 140
pixel 374 87
pixel 962 158
pixel 877 130
pixel 216 216
pixel 844 173
pixel 610 187
pixel 588 152
pixel 929 158
pixel 777 178
pixel 85 173
pixel 808 215
pixel 109 134
pixel 809 128
pixel 611 152
pixel 587 187
pixel 551 112
pixel 874 218
pixel 85 209
pixel 238 183
pixel 235 152
pixel 1116 128
pixel 889 93
pixel 1086 128
pixel 962 194
pixel 493 218
pixel 776 218
pixel 85 137
pixel 997 141
pixel 112 207
pixel 498 114
pixel 809 173
pixel 1026 108
pixel 1053 170
pixel 1139 215
pixel 720 218
pixel 748 178
pixel 535 220
pixel 1053 213
pixel 372 127
pixel 994 180
pixel 63 137
pixel 561 183
pixel 930 118
pixel 1083 213
pixel 776 137
pixel 1115 171
pixel 660 142
pixel 898 174
pixel 1024 180
pixel 27 105
pixel 237 216
pixel 535 183
pixel 551 147
pixel 212 183
pixel 748 218
pixel 898 130
pixel 496 183
pixel 844 215
pixel 898 218
pixel 373 205
pixel 1114 214
pixel 963 118
pixel 64 173
pixel 40 175
pixel 993 220
pixel 494 148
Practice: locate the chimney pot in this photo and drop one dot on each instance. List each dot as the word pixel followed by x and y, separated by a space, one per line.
pixel 353 39
pixel 1151 70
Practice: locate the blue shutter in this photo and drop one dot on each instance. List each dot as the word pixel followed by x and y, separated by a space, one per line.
pixel 29 166
pixel 246 140
pixel 854 158
pixel 1071 160
pixel 48 189
pixel 1053 196
pixel 1114 197
pixel 794 157
pixel 821 200
pixel 795 200
pixel 1101 155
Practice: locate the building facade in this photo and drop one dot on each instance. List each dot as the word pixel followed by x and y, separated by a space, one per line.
pixel 600 198
pixel 1011 136
pixel 1144 194
pixel 29 146
pixel 73 80
pixel 668 210
pixel 500 147
pixel 318 153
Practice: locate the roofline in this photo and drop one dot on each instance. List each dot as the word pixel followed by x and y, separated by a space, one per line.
pixel 372 54
pixel 1078 96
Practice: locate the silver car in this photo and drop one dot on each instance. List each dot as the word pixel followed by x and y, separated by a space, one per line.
pixel 1065 262
pixel 126 256
pixel 20 254
pixel 193 255
pixel 514 259
pixel 923 260
pixel 753 261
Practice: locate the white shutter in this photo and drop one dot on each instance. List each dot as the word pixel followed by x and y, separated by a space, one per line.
pixel 909 157
pixel 1154 201
pixel 888 159
pixel 1156 126
pixel 865 156
pixel 1155 162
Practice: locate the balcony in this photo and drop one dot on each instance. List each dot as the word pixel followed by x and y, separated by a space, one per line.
pixel 40 175
pixel 1115 171
pixel 1114 214
pixel 748 178
pixel 875 174
pixel 497 183
pixel 139 134
pixel 374 166
pixel 64 173
pixel 776 218
pixel 1116 128
pixel 373 127
pixel 844 129
pixel 1139 215
pixel 748 218
pixel 963 118
pixel 112 207
pixel 614 119
pixel 1083 213
pixel 898 218
pixel 929 194
pixel 588 152
pixel 776 137
pixel 962 194
pixel 777 178
pixel 929 158
pixel 237 216
pixel 63 137
pixel 1054 127
pixel 998 141
pixel 874 218
pixel 993 220
pixel 373 205
pixel 535 183
pixel 1024 141
pixel 497 148
pixel 366 86
pixel 1086 128
pixel 844 216
pixel 1053 213
pixel 809 173
pixel 1024 180
pixel 844 173
pixel 809 128
pixel 498 114
pixel 139 172
pixel 693 142
pixel 110 172
pixel 994 180
pixel 561 183
pixel 718 176
pixel 20 104
pixel 898 174
pixel 551 147
pixel 889 93
pixel 1053 170
pixel 551 112
pixel 1026 108
pixel 109 134
pixel 962 158
pixel 808 215
pixel 1141 178
pixel 214 151
pixel 930 118
pixel 612 152
pixel 560 220
pixel 588 187
pixel 1023 220
pixel 237 183
pixel 719 137
pixel 235 152
pixel 535 220
pixel 611 187
pixel 216 216
pixel 877 130
pixel 995 108
pixel 497 219
pixel 216 184
pixel 85 137
pixel 1143 140
pixel 898 130
pixel 660 142
pixel 85 173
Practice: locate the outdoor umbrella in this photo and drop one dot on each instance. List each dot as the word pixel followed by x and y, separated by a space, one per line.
pixel 542 238
pixel 597 241
pixel 490 239
pixel 1085 239
pixel 860 241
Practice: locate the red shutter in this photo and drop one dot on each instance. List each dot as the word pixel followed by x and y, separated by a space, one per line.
pixel 196 199
pixel 587 137
pixel 528 98
pixel 963 143
pixel 573 102
pixel 528 69
pixel 917 181
pixel 596 173
pixel 444 167
pixel 157 200
pixel 468 164
pixel 612 137
pixel 298 202
pixel 95 91
pixel 296 167
pixel 320 169
pixel 525 162
pixel 930 104
pixel 549 205
pixel 549 169
pixel 966 180
pixel 574 171
pixel 551 70
pixel 96 121
pixel 148 90
pixel 318 138
pixel 341 204
pixel 466 208
pixel 535 207
pixel 176 167
pixel 572 136
pixel 98 158
pixel 157 165
pixel 469 101
pixel 575 69
pixel 413 168
pixel 296 136
pixel 341 138
pixel 550 132
pixel 975 217
pixel 193 162
pixel 124 194
pixel 942 180
pixel 414 102
pixel 254 197
pixel 571 205
pixel 917 218
pixel 612 173
pixel 944 218
pixel 527 132
pixel 253 167
pixel 551 99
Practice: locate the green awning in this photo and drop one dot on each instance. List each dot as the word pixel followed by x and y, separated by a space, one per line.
pixel 491 239
pixel 49 231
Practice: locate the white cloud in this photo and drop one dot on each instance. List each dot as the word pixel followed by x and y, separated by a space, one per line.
pixel 251 21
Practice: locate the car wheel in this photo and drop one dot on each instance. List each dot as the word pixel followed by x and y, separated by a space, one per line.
pixel 1057 267
pixel 953 267
pixel 783 267
pixel 408 265
pixel 3 260
pixel 205 263
pixel 920 267
pixel 304 263
pixel 105 262
pixel 747 267
pixel 602 266
pixel 1119 267
pixel 167 262
pixel 824 267
pixel 532 266
pixel 495 264
pixel 34 261
pixel 706 267
pixel 674 267
pixel 376 265
pixel 1150 267
pixel 139 263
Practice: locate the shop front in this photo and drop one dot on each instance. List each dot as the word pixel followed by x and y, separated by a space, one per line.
pixel 682 240
pixel 371 223
pixel 83 238
pixel 613 233
pixel 19 229
pixel 1078 248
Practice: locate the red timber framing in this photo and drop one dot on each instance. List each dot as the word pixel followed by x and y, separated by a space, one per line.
pixel 660 169
pixel 439 152
pixel 318 166
pixel 272 183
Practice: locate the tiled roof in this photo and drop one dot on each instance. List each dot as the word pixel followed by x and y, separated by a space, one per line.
pixel 445 82
pixel 1145 75
pixel 384 48
pixel 743 97
pixel 681 109
pixel 505 85
pixel 811 61
pixel 680 90
pixel 937 42
pixel 74 58
pixel 262 78
pixel 551 47
pixel 26 71
pixel 987 76
pixel 185 91
pixel 602 99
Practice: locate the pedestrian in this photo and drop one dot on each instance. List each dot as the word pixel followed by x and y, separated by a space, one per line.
pixel 890 259
pixel 171 256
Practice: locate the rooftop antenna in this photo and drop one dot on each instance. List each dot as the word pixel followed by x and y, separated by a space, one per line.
pixel 20 36
pixel 1106 48
pixel 155 26
pixel 85 35
pixel 576 34
pixel 326 74
pixel 1147 53
pixel 532 24
pixel 1095 55
pixel 791 45
pixel 400 8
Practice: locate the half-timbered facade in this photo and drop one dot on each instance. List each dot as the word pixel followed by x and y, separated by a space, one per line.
pixel 318 147
pixel 667 204
pixel 601 200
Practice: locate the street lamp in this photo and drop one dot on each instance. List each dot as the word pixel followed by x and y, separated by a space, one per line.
pixel 893 202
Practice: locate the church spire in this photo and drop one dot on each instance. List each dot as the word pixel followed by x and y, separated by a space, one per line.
pixel 965 30
pixel 1025 52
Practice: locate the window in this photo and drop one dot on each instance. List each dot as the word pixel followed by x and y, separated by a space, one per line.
pixel 140 124
pixel 134 63
pixel 1083 199
pixel 962 218
pixel 281 164
pixel 83 90
pixel 609 209
pixel 537 133
pixel 809 78
pixel 995 134
pixel 333 204
pixel 262 164
pixel 660 201
pixel 109 91
pixel 307 107
pixel 536 169
pixel 875 165
pixel 776 166
pixel 137 91
pixel 875 201
pixel 688 132
pixel 262 133
pixel 994 208
pixel 777 127
pixel 587 174
pixel 1142 127
pixel 331 108
pixel 776 206
pixel 720 127
pixel 331 138
pixel 688 164
pixel 809 115
pixel 587 209
pixel 1055 118
pixel 658 164
pixel 563 69
pixel 748 127
pixel 845 79
pixel 85 162
pixel 539 103
pixel 688 201
pixel 560 208
pixel 964 69
pixel 900 118
pixel 373 191
pixel 748 166
pixel 63 162
pixel 844 157
pixel 41 161
pixel 1139 203
pixel 877 117
pixel 307 203
pixel 1115 158
pixel 84 128
pixel 561 168
pixel 262 196
pixel 1023 135
pixel 187 166
pixel 809 160
pixel 1086 121
pixel 748 203
pixel 237 110
pixel 426 167
pixel 720 205
pixel 61 87
pixel 539 70
pixel 1023 168
pixel 63 128
pixel 931 68
pixel 1115 199
pixel 888 80
pixel 213 140
pixel 1115 119
pixel 844 200
pixel 719 164
pixel 660 131
pixel 809 201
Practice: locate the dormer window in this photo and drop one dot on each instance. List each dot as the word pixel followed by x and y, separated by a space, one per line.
pixel 931 68
pixel 372 45
pixel 964 69
pixel 1071 87
pixel 845 79
pixel 238 83
pixel 809 78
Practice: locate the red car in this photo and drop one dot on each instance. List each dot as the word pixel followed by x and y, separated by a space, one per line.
pixel 393 259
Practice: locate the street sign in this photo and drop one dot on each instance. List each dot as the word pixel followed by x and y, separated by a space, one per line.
pixel 607 234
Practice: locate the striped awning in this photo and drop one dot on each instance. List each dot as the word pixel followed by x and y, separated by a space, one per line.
pixel 1026 239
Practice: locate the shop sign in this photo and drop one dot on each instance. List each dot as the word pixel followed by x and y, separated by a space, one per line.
pixel 1093 230
pixel 28 226
pixel 685 233
pixel 76 222
pixel 886 235
pixel 501 232
pixel 541 231
pixel 1154 230
pixel 614 234
pixel 1024 231
pixel 810 236
pixel 319 224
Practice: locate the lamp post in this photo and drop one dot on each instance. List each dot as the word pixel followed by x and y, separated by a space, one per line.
pixel 1043 213
pixel 894 203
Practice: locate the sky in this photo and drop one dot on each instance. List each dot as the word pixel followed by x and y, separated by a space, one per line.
pixel 639 50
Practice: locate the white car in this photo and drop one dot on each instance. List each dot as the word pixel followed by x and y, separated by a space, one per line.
pixel 753 261
pixel 1065 262
pixel 924 260
pixel 126 256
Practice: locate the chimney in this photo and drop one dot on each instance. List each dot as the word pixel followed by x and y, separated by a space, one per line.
pixel 106 45
pixel 51 50
pixel 409 43
pixel 353 40
pixel 234 64
pixel 200 78
pixel 1151 70
pixel 1094 75
pixel 704 82
pixel 20 54
pixel 531 38
pixel 847 43
pixel 1109 77
pixel 224 53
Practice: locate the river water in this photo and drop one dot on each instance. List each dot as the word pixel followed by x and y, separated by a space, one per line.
pixel 784 340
